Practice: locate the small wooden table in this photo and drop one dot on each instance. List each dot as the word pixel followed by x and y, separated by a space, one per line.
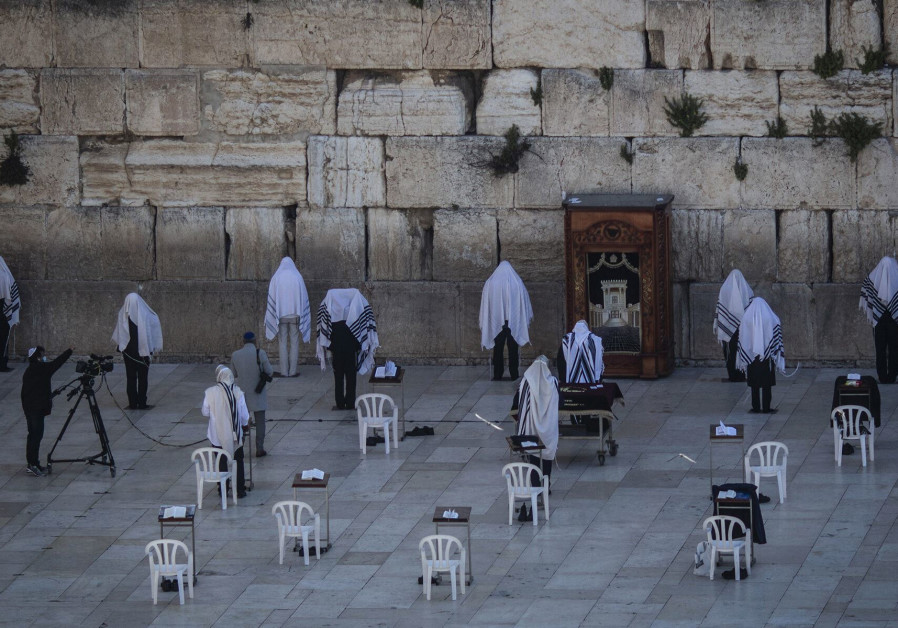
pixel 181 522
pixel 393 381
pixel 715 439
pixel 312 485
pixel 464 519
pixel 514 444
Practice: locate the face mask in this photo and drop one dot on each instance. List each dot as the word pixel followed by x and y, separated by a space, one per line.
pixel 44 359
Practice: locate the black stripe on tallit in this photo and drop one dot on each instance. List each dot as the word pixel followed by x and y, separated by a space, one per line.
pixel 324 322
pixel 728 323
pixel 14 303
pixel 232 405
pixel 773 350
pixel 581 363
pixel 523 407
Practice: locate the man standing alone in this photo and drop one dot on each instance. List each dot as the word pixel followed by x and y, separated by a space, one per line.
pixel 37 401
pixel 249 363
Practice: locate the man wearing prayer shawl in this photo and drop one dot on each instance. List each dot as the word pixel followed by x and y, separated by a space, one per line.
pixel 579 358
pixel 538 410
pixel 347 328
pixel 735 295
pixel 9 312
pixel 138 335
pixel 505 313
pixel 879 301
pixel 288 314
pixel 761 352
pixel 225 406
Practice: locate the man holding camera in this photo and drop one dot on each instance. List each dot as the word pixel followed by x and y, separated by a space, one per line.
pixel 37 401
pixel 256 371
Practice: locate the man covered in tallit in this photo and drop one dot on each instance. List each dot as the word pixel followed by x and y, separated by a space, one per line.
pixel 579 358
pixel 505 314
pixel 879 301
pixel 761 352
pixel 735 295
pixel 538 413
pixel 347 328
pixel 138 335
pixel 10 304
pixel 287 314
pixel 225 406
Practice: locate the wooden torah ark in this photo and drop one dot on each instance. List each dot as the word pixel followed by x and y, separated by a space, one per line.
pixel 617 265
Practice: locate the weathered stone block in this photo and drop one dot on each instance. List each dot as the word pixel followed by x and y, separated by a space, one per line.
pixel 773 35
pixel 162 102
pixel 678 32
pixel 96 34
pixel 736 102
pixel 404 103
pixel 681 321
pixel 23 240
pixel 464 244
pixel 575 103
pixel 244 102
pixel 177 33
pixel 845 333
pixel 416 319
pixel 578 165
pixel 533 242
pixel 895 101
pixel 669 166
pixel 691 262
pixel 104 179
pixel 792 173
pixel 802 246
pixel 346 172
pixel 190 243
pixel 702 305
pixel 19 107
pixel 400 244
pixel 570 33
pixel 794 304
pixel 257 242
pixel 347 34
pixel 24 26
pixel 506 101
pixel 860 239
pixel 53 162
pixel 877 172
pixel 853 24
pixel 457 35
pixel 435 171
pixel 637 101
pixel 890 28
pixel 330 244
pixel 82 102
pixel 749 242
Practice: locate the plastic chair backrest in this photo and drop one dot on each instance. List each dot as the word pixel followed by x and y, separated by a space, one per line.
pixel 289 513
pixel 374 406
pixel 165 551
pixel 721 530
pixel 439 548
pixel 850 417
pixel 517 474
pixel 207 458
pixel 769 453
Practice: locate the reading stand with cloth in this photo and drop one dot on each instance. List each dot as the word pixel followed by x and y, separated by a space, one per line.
pixel 857 390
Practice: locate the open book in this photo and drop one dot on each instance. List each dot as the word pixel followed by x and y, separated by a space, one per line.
pixel 174 512
pixel 313 474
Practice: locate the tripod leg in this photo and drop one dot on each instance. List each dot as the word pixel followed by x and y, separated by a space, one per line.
pixel 62 431
pixel 100 428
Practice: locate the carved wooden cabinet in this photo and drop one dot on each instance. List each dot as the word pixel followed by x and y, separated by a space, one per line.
pixel 617 262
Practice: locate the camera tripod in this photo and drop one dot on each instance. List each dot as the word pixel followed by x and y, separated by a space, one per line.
pixel 86 389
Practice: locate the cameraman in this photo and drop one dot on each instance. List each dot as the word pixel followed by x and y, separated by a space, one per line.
pixel 251 367
pixel 37 401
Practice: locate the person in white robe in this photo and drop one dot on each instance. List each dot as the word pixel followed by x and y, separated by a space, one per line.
pixel 879 302
pixel 10 305
pixel 288 315
pixel 761 352
pixel 537 403
pixel 225 405
pixel 138 335
pixel 579 358
pixel 505 314
pixel 735 295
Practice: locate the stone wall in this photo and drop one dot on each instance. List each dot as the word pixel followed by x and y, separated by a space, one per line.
pixel 182 148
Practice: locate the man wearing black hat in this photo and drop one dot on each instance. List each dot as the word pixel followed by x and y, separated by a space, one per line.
pixel 249 364
pixel 37 401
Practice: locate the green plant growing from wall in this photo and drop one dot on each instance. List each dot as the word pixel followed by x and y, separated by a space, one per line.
pixel 856 131
pixel 13 170
pixel 873 59
pixel 740 169
pixel 625 153
pixel 829 63
pixel 606 77
pixel 819 127
pixel 506 162
pixel 777 128
pixel 685 113
pixel 537 94
pixel 247 21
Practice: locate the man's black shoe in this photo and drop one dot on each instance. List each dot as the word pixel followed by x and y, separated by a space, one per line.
pixel 730 574
pixel 261 453
pixel 762 498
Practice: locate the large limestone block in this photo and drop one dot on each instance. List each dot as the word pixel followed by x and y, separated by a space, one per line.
pixel 465 246
pixel 82 102
pixel 104 179
pixel 400 244
pixel 96 34
pixel 736 102
pixel 506 101
pixel 890 28
pixel 178 33
pixel 877 172
pixel 581 165
pixel 749 242
pixel 678 32
pixel 844 333
pixel 698 171
pixel 772 35
pixel 702 305
pixel 53 162
pixel 23 241
pixel 190 243
pixel 457 35
pixel 441 171
pixel 568 33
pixel 860 239
pixel 330 244
pixel 416 319
pixel 895 102
pixel 637 101
pixel 691 262
pixel 256 241
pixel 162 102
pixel 575 103
pixel 853 24
pixel 681 320
pixel 794 304
pixel 869 95
pixel 404 103
pixel 19 107
pixel 344 34
pixel 346 172
pixel 247 102
pixel 802 246
pixel 24 26
pixel 532 241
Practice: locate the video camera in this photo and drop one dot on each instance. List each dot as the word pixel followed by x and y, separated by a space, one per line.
pixel 95 366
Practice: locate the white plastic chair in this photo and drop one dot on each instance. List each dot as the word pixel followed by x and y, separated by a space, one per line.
pixel 517 479
pixel 289 515
pixel 436 552
pixel 772 462
pixel 377 410
pixel 847 425
pixel 722 540
pixel 163 555
pixel 206 460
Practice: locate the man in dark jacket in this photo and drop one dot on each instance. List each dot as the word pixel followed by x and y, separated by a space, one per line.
pixel 37 401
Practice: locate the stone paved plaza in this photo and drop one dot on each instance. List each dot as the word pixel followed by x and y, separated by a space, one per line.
pixel 617 552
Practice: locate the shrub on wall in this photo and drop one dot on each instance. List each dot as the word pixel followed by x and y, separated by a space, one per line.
pixel 13 170
pixel 856 131
pixel 685 113
pixel 829 63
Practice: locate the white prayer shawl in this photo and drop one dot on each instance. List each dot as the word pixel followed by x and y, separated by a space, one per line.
pixel 504 298
pixel 348 304
pixel 879 292
pixel 735 294
pixel 287 296
pixel 760 336
pixel 582 355
pixel 9 292
pixel 225 405
pixel 149 331
pixel 538 406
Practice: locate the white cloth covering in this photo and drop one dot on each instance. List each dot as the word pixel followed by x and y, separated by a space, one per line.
pixel 348 304
pixel 149 331
pixel 582 351
pixel 538 405
pixel 760 336
pixel 9 292
pixel 735 295
pixel 879 292
pixel 287 296
pixel 504 298
pixel 225 406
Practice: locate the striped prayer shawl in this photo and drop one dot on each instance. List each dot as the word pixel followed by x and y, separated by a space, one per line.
pixel 874 305
pixel 12 305
pixel 727 323
pixel 361 329
pixel 774 350
pixel 232 406
pixel 581 361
